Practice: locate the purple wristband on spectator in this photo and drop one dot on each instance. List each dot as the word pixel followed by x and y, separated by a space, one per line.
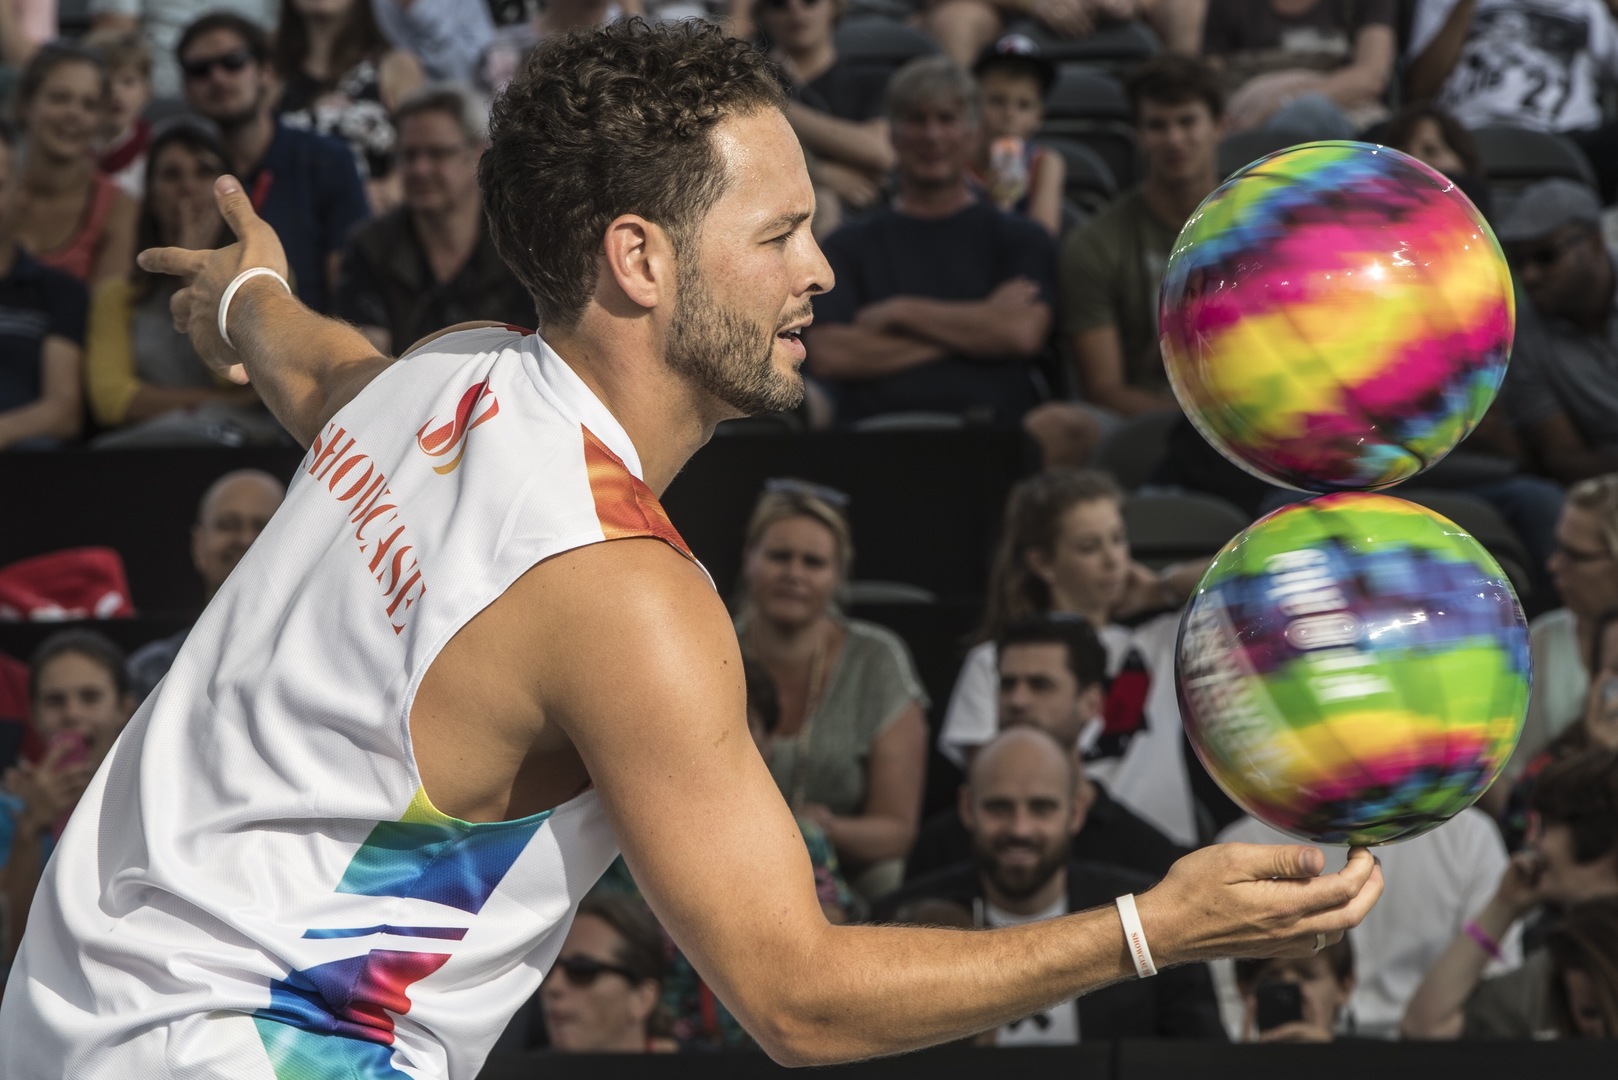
pixel 1485 942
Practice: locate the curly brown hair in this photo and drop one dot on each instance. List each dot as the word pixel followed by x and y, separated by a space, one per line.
pixel 609 121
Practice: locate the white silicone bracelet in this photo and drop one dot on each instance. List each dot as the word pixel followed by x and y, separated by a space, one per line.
pixel 230 294
pixel 1135 936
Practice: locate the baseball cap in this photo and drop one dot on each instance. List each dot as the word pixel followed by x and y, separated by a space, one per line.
pixel 1546 206
pixel 1017 51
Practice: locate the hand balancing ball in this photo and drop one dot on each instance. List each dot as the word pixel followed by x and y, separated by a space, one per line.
pixel 1353 669
pixel 1336 316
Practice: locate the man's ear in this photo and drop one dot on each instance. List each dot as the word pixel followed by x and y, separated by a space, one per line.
pixel 639 258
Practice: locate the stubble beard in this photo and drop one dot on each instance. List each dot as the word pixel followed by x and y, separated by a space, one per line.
pixel 717 349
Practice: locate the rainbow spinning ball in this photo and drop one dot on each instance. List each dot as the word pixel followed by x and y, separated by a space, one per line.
pixel 1353 669
pixel 1336 316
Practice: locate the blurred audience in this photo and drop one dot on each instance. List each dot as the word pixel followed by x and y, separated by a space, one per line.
pixel 1436 882
pixel 340 77
pixel 1561 389
pixel 1541 64
pixel 71 216
pixel 24 27
pixel 1572 858
pixel 42 314
pixel 430 263
pixel 1298 1000
pixel 161 23
pixel 1433 136
pixel 503 56
pixel 1053 676
pixel 1112 268
pixel 965 27
pixel 836 107
pixel 849 750
pixel 125 132
pixel 143 378
pixel 1583 948
pixel 1019 175
pixel 1063 549
pixel 233 511
pixel 1315 67
pixel 943 303
pixel 306 186
pixel 1020 806
pixel 79 693
pixel 602 993
pixel 447 36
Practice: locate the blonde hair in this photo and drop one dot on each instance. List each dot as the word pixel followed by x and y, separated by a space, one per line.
pixel 780 503
pixel 1033 522
pixel 1598 497
pixel 123 50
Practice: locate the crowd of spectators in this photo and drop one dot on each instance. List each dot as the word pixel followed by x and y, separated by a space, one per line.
pixel 974 289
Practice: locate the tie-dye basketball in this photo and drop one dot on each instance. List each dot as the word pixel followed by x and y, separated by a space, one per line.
pixel 1353 669
pixel 1336 316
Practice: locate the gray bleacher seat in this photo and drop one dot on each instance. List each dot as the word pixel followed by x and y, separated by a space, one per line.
pixel 1242 148
pixel 1089 107
pixel 1133 451
pixel 1090 184
pixel 1116 47
pixel 880 41
pixel 1515 157
pixel 1166 529
pixel 1486 526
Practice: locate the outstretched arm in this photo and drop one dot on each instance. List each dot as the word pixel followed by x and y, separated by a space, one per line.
pixel 304 366
pixel 707 835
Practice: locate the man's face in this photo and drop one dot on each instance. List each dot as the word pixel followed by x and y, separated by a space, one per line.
pixel 745 280
pixel 227 525
pixel 1020 811
pixel 1037 687
pixel 439 164
pixel 222 80
pixel 1178 141
pixel 933 141
pixel 1556 270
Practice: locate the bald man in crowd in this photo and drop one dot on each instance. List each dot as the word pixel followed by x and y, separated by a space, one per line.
pixel 233 511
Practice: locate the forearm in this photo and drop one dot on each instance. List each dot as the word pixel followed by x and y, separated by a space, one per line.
pixel 976 329
pixel 857 352
pixel 865 991
pixel 1436 1011
pixel 841 140
pixel 304 366
pixel 1427 72
pixel 871 838
pixel 1355 84
pixel 149 400
pixel 45 418
pixel 1129 400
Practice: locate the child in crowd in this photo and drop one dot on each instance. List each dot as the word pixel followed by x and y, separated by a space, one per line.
pixel 1020 176
pixel 1296 1000
pixel 126 134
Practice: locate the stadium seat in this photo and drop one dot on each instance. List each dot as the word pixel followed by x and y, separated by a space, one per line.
pixel 1089 107
pixel 1487 528
pixel 1090 183
pixel 1515 157
pixel 1117 47
pixel 1245 147
pixel 1133 451
pixel 1166 529
pixel 880 41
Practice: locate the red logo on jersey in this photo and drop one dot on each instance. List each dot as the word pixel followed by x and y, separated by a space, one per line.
pixel 451 437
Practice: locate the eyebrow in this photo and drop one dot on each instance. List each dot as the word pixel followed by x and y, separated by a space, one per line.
pixel 785 221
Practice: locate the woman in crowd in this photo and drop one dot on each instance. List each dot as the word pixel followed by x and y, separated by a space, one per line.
pixel 71 215
pixel 1324 984
pixel 79 693
pixel 850 744
pixel 602 994
pixel 342 78
pixel 1584 970
pixel 141 374
pixel 1063 548
pixel 1433 136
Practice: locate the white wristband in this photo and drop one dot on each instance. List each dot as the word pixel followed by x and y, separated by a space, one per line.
pixel 1135 937
pixel 230 294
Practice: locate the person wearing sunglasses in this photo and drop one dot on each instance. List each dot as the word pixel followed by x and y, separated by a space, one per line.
pixel 307 186
pixel 603 994
pixel 1561 390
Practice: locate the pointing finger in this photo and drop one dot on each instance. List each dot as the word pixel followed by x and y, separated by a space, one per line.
pixel 175 261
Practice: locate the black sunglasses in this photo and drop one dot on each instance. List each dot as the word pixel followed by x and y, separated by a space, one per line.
pixel 232 62
pixel 789 485
pixel 1545 254
pixel 582 971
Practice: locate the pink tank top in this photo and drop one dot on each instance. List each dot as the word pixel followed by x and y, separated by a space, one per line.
pixel 78 255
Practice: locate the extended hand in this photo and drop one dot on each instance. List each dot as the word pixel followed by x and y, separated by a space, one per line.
pixel 206 274
pixel 48 789
pixel 1256 900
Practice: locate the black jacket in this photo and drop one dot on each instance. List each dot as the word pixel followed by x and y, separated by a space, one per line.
pixel 1177 1002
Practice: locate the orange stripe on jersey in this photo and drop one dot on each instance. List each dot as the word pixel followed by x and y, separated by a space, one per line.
pixel 625 506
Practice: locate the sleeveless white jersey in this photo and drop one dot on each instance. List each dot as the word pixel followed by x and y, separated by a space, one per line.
pixel 255 885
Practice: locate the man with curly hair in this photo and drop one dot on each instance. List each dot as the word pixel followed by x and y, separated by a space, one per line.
pixel 347 834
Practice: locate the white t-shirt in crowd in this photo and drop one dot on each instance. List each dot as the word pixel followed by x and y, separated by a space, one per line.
pixel 1534 63
pixel 1056 1026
